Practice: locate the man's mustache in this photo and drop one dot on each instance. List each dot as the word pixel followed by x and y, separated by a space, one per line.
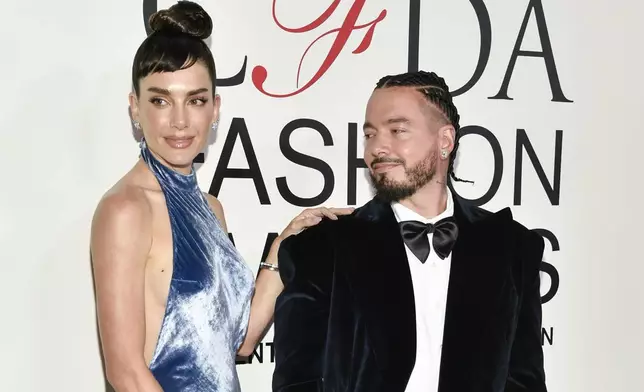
pixel 387 160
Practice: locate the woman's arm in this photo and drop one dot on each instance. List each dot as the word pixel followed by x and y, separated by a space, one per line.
pixel 120 242
pixel 269 285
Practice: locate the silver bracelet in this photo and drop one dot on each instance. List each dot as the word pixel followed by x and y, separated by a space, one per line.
pixel 268 266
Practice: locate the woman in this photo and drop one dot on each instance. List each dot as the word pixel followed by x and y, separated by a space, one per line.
pixel 176 303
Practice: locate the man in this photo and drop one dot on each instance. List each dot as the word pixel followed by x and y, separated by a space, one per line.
pixel 416 290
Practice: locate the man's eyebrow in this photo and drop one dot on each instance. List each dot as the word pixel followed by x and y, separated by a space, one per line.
pixel 392 120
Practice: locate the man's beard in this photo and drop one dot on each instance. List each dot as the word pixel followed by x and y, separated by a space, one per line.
pixel 416 177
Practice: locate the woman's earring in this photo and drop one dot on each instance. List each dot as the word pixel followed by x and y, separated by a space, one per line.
pixel 136 124
pixel 444 154
pixel 215 125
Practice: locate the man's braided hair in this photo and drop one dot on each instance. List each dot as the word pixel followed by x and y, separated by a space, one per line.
pixel 435 90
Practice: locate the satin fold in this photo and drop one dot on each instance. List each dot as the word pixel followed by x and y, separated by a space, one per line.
pixel 208 305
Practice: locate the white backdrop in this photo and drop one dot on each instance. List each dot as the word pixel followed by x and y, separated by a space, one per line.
pixel 66 138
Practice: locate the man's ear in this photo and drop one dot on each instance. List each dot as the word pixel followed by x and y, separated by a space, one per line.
pixel 446 139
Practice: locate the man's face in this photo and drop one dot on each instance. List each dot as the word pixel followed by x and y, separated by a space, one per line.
pixel 404 135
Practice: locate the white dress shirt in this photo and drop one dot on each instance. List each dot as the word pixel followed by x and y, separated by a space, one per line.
pixel 430 281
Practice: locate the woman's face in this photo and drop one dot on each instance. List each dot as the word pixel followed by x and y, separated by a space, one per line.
pixel 176 111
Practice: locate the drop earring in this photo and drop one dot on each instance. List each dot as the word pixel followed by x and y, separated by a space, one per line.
pixel 139 133
pixel 215 125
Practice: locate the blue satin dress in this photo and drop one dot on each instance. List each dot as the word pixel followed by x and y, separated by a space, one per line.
pixel 208 305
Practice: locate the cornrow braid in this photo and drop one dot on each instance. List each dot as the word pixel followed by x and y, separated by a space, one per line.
pixel 435 91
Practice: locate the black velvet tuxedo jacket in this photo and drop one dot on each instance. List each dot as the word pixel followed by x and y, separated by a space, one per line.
pixel 345 321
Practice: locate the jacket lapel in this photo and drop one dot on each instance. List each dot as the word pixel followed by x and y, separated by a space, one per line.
pixel 480 300
pixel 381 282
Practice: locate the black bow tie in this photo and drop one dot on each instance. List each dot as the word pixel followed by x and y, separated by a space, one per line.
pixel 415 233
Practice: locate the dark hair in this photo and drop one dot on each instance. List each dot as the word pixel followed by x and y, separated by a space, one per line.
pixel 435 90
pixel 176 43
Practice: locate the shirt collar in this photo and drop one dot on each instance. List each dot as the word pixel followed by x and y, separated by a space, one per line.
pixel 403 213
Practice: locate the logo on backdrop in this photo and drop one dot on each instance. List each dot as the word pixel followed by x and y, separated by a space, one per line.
pixel 367 32
pixel 342 33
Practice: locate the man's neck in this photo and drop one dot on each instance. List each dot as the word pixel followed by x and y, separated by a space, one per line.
pixel 429 201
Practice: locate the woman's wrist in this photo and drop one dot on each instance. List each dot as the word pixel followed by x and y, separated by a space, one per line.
pixel 271 263
pixel 269 266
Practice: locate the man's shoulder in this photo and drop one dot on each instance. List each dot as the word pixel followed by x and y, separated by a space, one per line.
pixel 318 238
pixel 329 229
pixel 306 255
pixel 504 217
pixel 313 251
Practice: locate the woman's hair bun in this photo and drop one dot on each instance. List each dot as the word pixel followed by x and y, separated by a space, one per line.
pixel 184 17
